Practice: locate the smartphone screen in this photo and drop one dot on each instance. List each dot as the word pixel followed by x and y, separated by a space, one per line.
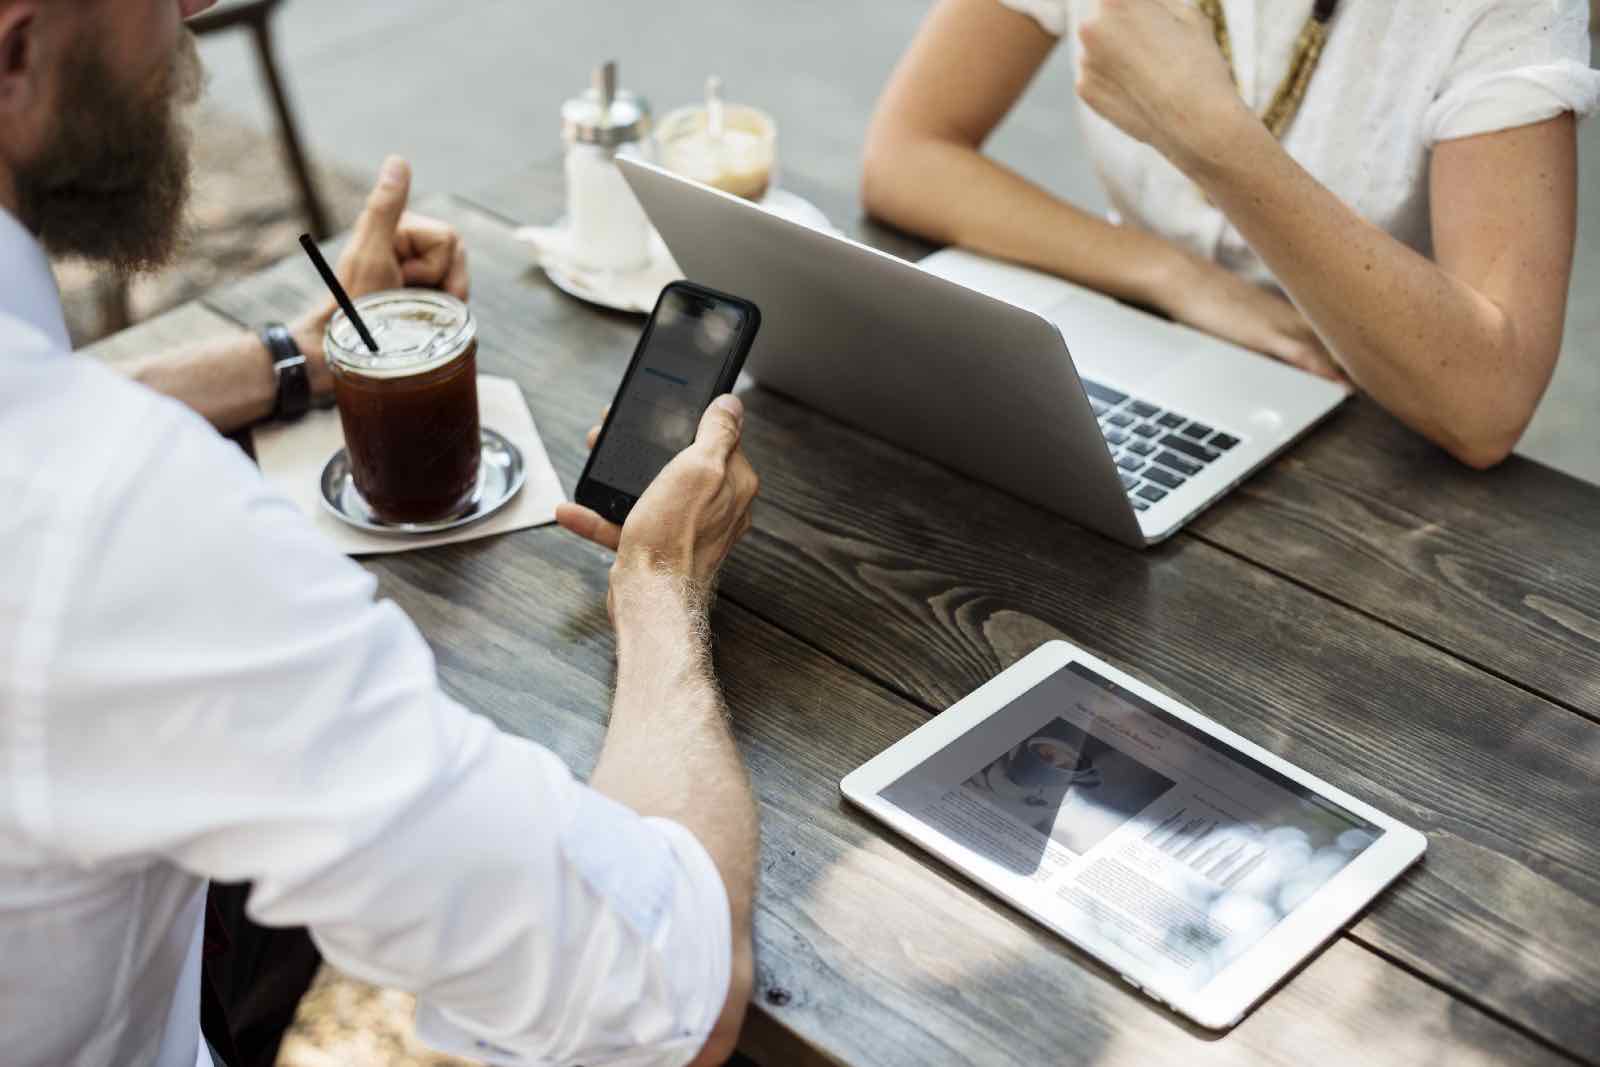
pixel 683 361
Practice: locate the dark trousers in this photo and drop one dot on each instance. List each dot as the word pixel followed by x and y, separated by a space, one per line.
pixel 252 980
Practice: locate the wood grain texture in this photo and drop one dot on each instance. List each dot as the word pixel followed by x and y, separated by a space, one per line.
pixel 1500 568
pixel 929 584
pixel 869 952
pixel 1502 781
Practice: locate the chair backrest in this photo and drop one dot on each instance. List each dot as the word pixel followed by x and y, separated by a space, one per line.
pixel 230 13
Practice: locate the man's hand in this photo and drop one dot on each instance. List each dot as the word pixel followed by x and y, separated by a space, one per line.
pixel 389 248
pixel 692 515
pixel 669 751
pixel 1217 301
pixel 1152 68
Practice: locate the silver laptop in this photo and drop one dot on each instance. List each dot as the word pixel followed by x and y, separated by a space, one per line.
pixel 966 360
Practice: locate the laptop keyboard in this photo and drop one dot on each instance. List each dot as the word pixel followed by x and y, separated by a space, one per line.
pixel 1156 449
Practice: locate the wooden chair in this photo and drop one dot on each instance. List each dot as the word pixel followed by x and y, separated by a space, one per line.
pixel 256 17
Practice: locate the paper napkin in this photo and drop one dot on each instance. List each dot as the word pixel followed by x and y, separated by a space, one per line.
pixel 292 456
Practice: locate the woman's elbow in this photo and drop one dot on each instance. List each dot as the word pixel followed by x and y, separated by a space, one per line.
pixel 896 149
pixel 1481 455
pixel 1487 419
pixel 879 174
pixel 1489 441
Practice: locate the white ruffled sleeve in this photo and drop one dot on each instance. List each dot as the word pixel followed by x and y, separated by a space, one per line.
pixel 1520 62
pixel 1051 15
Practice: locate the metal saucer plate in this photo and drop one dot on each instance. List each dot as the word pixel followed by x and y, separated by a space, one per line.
pixel 500 475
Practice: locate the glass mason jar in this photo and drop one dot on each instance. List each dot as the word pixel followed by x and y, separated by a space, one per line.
pixel 410 410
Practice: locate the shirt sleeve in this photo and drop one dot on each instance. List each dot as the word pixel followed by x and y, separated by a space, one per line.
pixel 1051 15
pixel 226 694
pixel 1520 62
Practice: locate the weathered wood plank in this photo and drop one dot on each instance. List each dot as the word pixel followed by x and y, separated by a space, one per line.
pixel 869 953
pixel 1501 568
pixel 1503 782
pixel 931 583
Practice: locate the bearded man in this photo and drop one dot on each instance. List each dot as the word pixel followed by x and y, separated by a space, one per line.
pixel 194 686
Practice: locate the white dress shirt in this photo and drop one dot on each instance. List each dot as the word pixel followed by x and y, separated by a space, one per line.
pixel 1396 78
pixel 194 686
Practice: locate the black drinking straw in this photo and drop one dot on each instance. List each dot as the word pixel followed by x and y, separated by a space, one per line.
pixel 332 282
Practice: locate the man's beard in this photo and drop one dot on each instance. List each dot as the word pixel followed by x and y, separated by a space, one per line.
pixel 112 183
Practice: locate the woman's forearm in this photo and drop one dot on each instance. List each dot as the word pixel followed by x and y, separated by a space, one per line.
pixel 1436 352
pixel 950 192
pixel 1461 348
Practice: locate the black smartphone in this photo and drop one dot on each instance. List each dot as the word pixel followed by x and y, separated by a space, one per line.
pixel 690 353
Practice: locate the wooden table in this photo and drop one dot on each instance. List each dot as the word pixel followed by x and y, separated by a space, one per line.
pixel 1423 636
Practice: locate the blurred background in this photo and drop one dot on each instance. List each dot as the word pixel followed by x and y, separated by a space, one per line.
pixel 471 91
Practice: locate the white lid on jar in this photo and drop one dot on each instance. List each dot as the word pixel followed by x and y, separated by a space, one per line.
pixel 417 330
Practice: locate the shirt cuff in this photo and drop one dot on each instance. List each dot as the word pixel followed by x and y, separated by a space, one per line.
pixel 685 923
pixel 716 957
pixel 1051 15
pixel 1507 99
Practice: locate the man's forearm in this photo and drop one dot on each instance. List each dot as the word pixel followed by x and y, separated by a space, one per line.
pixel 230 382
pixel 668 751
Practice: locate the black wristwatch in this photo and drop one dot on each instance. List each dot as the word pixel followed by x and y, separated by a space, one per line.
pixel 289 365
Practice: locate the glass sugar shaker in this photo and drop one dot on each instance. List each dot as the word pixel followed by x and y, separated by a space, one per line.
pixel 609 228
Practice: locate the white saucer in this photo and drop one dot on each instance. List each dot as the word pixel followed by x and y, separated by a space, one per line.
pixel 636 290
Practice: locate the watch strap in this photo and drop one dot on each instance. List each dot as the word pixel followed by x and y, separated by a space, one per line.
pixel 289 367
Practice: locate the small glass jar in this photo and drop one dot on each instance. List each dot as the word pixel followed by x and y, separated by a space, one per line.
pixel 609 228
pixel 410 410
pixel 741 160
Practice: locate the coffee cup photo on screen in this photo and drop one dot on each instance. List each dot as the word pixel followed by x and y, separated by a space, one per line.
pixel 1070 786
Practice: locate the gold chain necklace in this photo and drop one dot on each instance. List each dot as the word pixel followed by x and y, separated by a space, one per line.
pixel 1307 52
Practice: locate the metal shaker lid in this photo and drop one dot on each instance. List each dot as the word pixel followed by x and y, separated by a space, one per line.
pixel 605 115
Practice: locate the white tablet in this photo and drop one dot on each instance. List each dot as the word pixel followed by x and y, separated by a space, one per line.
pixel 1199 866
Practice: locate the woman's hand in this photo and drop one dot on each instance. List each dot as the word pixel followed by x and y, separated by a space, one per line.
pixel 1153 69
pixel 1217 301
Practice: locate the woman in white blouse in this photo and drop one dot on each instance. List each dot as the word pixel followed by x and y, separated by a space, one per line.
pixel 1418 212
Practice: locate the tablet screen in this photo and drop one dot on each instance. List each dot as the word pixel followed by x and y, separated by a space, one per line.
pixel 1149 838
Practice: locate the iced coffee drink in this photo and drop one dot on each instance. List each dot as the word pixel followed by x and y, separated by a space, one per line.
pixel 410 410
